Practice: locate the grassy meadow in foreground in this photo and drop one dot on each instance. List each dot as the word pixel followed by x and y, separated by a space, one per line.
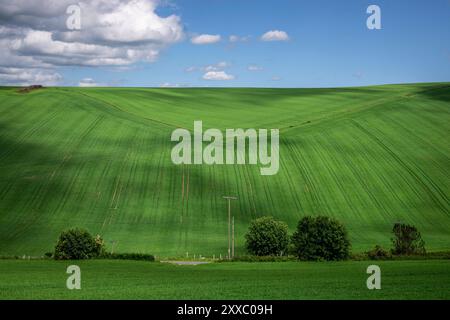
pixel 102 279
pixel 99 158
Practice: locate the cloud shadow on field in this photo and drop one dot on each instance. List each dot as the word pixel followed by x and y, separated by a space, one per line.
pixel 439 92
pixel 22 175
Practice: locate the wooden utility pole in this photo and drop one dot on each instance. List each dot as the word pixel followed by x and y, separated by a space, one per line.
pixel 232 238
pixel 113 244
pixel 229 198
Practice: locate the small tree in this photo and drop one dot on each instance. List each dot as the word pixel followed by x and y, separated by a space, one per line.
pixel 320 238
pixel 266 237
pixel 100 245
pixel 407 240
pixel 378 253
pixel 75 244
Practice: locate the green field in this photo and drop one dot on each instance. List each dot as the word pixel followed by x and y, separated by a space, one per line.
pixel 283 280
pixel 99 158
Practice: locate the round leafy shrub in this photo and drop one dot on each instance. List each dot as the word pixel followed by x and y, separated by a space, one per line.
pixel 321 238
pixel 267 236
pixel 75 244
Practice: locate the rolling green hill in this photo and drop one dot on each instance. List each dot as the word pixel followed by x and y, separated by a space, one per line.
pixel 99 158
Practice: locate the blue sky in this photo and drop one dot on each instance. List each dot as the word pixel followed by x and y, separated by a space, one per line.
pixel 329 45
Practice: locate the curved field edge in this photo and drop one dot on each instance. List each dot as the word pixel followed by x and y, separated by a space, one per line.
pixel 99 158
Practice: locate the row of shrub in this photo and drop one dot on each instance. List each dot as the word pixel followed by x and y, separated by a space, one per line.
pixel 407 241
pixel 79 244
pixel 323 238
pixel 128 256
pixel 316 238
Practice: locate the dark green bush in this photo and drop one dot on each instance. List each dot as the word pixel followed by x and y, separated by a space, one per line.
pixel 407 240
pixel 266 237
pixel 321 238
pixel 75 244
pixel 378 253
pixel 128 256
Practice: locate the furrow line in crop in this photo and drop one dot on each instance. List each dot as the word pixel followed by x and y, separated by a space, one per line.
pixel 425 186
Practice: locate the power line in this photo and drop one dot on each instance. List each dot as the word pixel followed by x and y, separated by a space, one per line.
pixel 229 198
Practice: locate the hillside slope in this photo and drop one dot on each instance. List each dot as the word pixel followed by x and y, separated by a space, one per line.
pixel 99 158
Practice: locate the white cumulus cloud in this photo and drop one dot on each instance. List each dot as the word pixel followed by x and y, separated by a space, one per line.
pixel 34 34
pixel 28 76
pixel 206 39
pixel 275 35
pixel 217 75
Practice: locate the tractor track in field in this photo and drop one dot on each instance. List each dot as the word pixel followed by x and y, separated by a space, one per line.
pixel 187 192
pixel 399 160
pixel 18 142
pixel 343 114
pixel 184 192
pixel 166 124
pixel 118 189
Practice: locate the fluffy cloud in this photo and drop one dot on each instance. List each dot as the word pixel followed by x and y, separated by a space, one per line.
pixel 275 35
pixel 27 76
pixel 107 22
pixel 217 75
pixel 42 46
pixel 33 34
pixel 205 39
